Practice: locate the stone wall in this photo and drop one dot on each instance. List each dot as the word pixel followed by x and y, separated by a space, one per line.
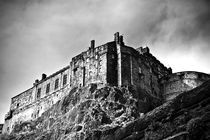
pixel 89 67
pixel 112 65
pixel 152 71
pixel 22 99
pixel 142 70
pixel 27 106
pixel 29 96
pixel 177 83
pixel 34 110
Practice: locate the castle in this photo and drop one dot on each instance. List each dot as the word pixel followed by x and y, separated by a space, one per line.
pixel 114 64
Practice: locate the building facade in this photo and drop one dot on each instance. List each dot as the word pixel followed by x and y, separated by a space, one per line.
pixel 113 63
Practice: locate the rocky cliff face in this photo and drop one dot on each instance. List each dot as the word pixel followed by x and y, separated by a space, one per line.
pixel 112 113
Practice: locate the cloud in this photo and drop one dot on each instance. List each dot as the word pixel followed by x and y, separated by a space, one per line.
pixel 43 35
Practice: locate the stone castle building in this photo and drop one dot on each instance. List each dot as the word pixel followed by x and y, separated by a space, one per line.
pixel 113 63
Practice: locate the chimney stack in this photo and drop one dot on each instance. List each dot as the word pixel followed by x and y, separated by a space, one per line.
pixel 170 70
pixel 121 40
pixel 36 82
pixel 44 76
pixel 92 44
pixel 117 37
pixel 146 50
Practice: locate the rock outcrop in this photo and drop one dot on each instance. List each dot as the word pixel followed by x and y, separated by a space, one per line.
pixel 112 113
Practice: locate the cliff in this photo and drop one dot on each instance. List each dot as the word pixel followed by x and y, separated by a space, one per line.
pixel 117 113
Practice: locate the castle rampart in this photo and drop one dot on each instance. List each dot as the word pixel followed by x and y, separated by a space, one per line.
pixel 180 82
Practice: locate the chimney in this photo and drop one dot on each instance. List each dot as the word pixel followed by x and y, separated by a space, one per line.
pixel 92 44
pixel 44 76
pixel 36 82
pixel 146 50
pixel 170 70
pixel 116 37
pixel 121 40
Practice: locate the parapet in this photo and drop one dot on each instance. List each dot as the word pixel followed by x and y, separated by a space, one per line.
pixel 181 82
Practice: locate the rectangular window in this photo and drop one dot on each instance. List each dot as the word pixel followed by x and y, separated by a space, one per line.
pixel 64 79
pixel 18 105
pixel 75 70
pixel 38 95
pixel 56 83
pixel 48 88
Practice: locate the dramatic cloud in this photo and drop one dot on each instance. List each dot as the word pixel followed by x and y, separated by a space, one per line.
pixel 43 35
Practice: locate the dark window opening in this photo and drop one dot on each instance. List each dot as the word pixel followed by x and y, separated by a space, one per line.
pixel 18 105
pixel 65 79
pixel 38 95
pixel 48 88
pixel 56 83
pixel 75 70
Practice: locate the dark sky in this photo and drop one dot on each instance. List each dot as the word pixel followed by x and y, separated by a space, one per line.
pixel 41 36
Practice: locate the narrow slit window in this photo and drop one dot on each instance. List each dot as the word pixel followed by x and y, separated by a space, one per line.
pixel 48 88
pixel 56 83
pixel 65 79
pixel 38 95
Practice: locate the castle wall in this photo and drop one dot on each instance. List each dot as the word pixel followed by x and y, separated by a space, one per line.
pixel 27 106
pixel 34 110
pixel 152 70
pixel 59 76
pixel 112 65
pixel 22 99
pixel 181 82
pixel 29 96
pixel 126 69
pixel 142 70
pixel 89 67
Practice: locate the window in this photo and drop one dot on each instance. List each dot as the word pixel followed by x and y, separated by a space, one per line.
pixel 64 79
pixel 38 95
pixel 56 83
pixel 48 88
pixel 75 70
pixel 18 105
